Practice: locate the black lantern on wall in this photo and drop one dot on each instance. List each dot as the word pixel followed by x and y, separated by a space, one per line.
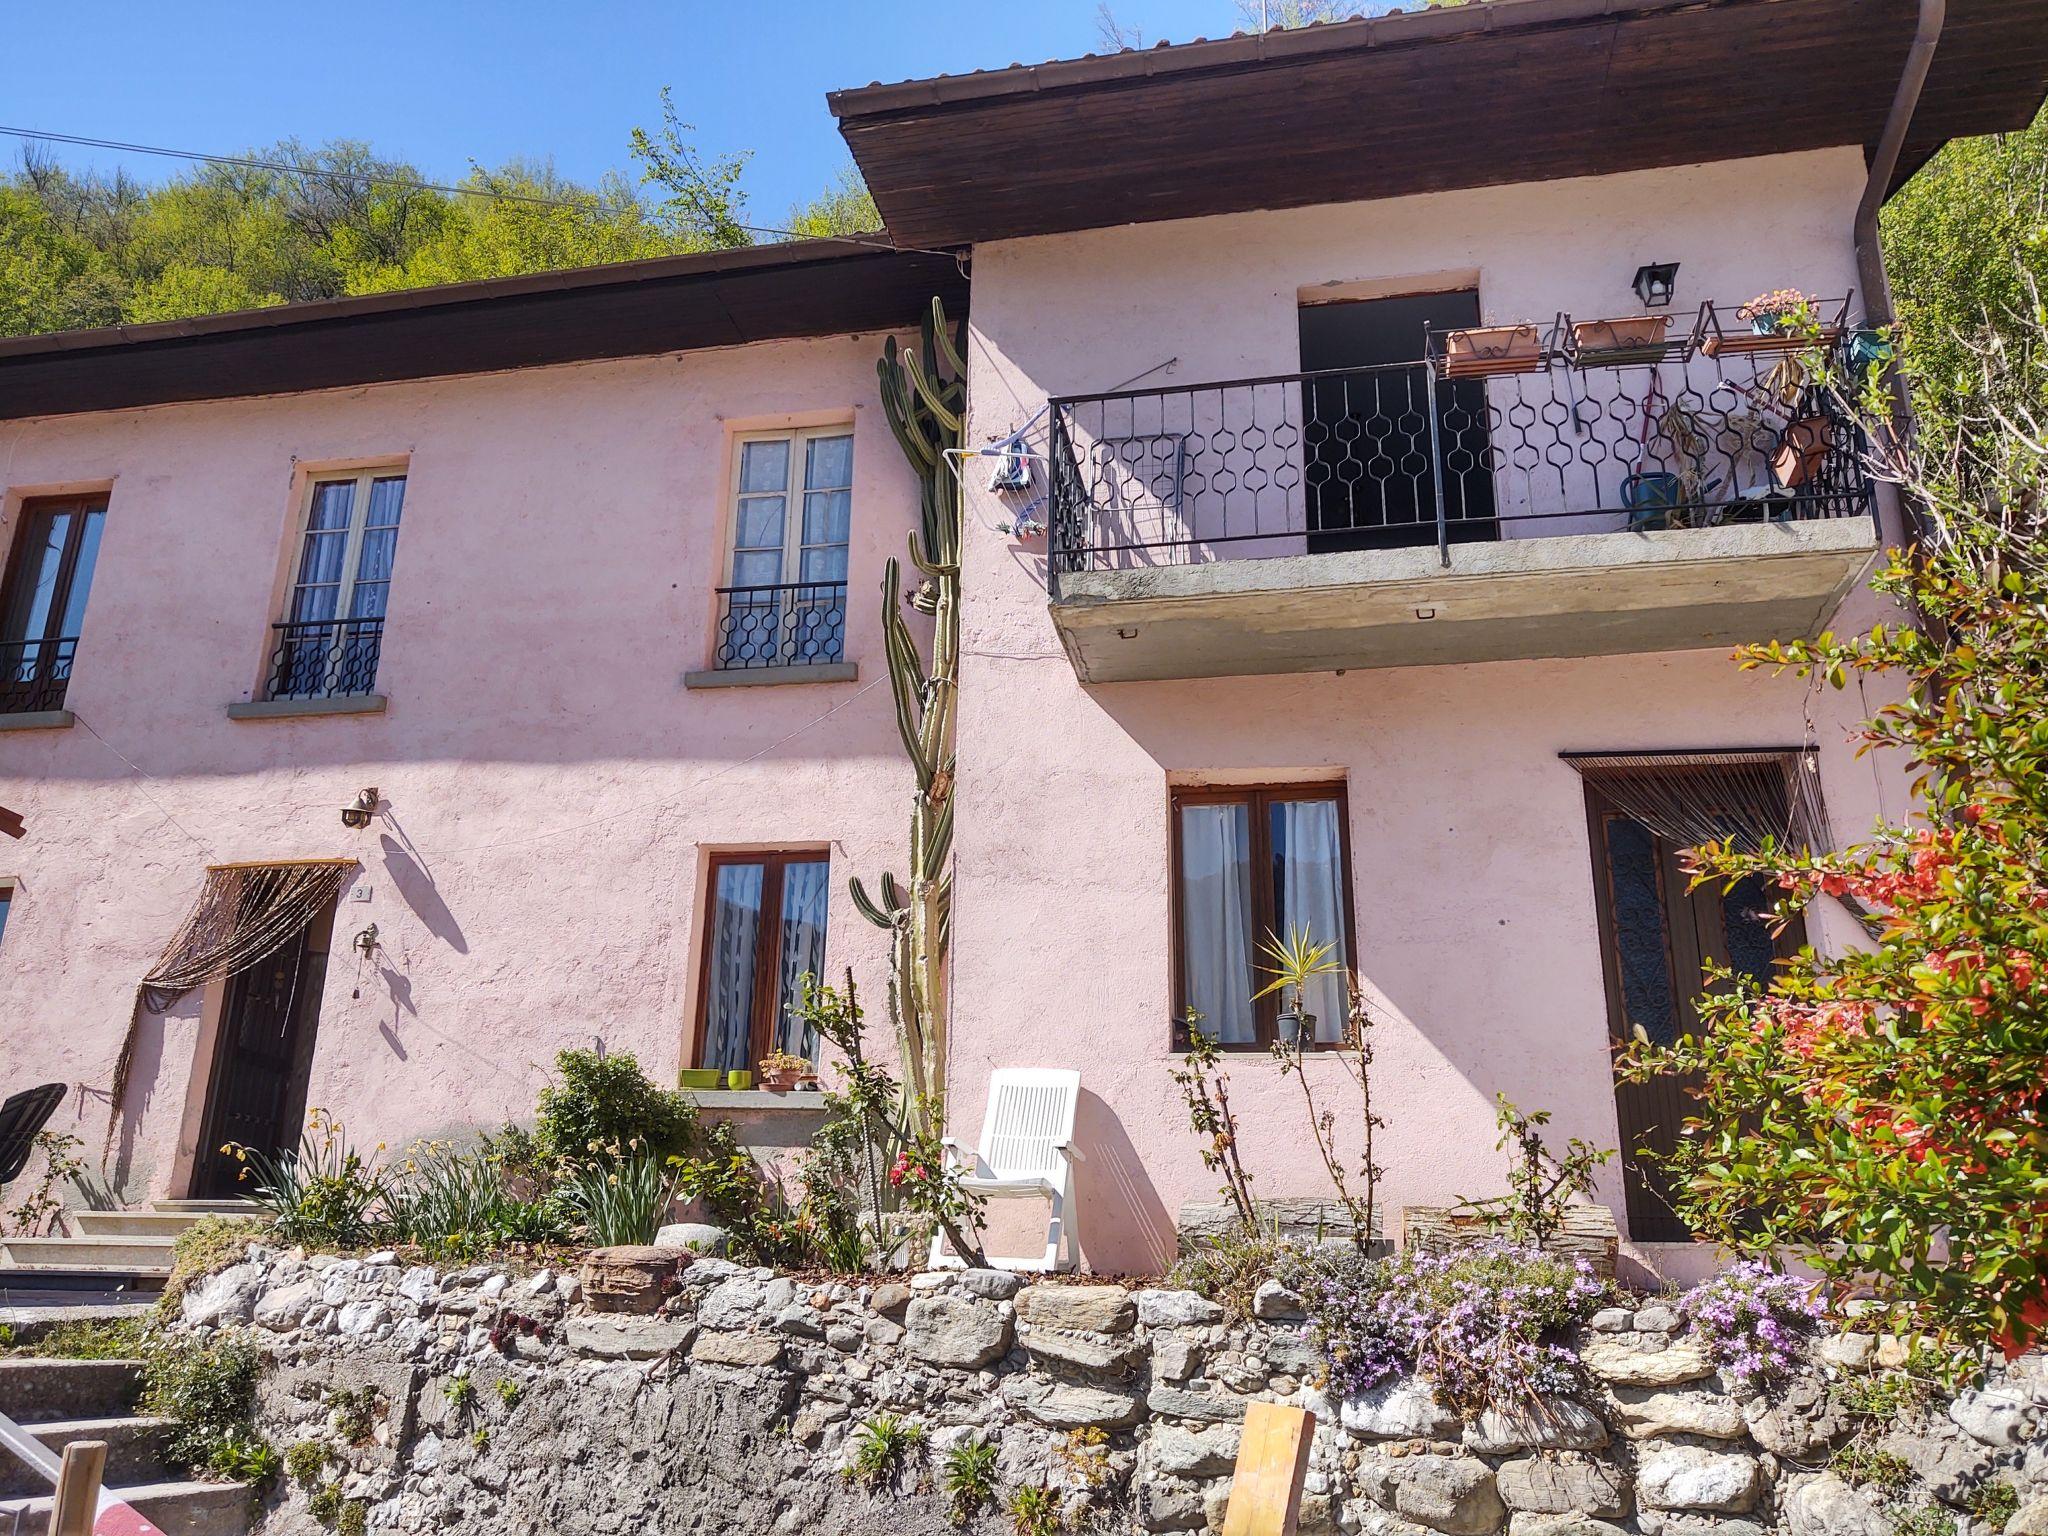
pixel 1655 282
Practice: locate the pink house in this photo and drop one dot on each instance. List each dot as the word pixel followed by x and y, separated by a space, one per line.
pixel 1328 564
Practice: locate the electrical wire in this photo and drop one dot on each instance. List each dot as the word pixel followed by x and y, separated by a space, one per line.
pixel 403 184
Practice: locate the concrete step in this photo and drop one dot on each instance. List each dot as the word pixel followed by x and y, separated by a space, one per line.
pixel 131 1223
pixel 34 1391
pixel 208 1207
pixel 128 1253
pixel 135 1449
pixel 44 1282
pixel 29 1314
pixel 176 1509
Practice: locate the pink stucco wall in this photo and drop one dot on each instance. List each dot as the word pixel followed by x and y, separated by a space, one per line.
pixel 1472 878
pixel 551 788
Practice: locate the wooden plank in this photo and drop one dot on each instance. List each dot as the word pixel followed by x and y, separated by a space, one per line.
pixel 78 1488
pixel 1272 1461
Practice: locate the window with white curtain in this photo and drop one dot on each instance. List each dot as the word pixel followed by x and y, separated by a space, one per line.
pixel 333 628
pixel 1249 864
pixel 764 931
pixel 791 518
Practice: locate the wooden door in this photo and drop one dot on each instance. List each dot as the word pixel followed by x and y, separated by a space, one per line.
pixel 256 1094
pixel 1656 937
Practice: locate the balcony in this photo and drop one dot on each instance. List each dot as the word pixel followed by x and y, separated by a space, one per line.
pixel 797 624
pixel 314 660
pixel 34 674
pixel 1567 494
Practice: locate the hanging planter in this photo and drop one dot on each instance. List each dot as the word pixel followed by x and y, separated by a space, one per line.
pixel 1634 339
pixel 1489 349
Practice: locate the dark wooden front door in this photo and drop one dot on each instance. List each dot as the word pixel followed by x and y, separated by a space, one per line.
pixel 1655 938
pixel 257 1091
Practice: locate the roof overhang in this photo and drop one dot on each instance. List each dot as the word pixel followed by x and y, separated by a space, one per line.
pixel 629 309
pixel 1482 94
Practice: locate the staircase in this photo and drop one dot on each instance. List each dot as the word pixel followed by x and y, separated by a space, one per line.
pixel 59 1401
pixel 109 1252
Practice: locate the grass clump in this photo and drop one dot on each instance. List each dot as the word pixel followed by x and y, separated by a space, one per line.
pixel 1035 1511
pixel 968 1479
pixel 882 1447
pixel 306 1462
pixel 118 1338
pixel 205 1248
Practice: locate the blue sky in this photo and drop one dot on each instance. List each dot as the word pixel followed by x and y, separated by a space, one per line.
pixel 441 84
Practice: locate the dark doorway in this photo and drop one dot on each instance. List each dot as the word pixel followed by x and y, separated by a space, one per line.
pixel 256 1093
pixel 1366 433
pixel 1656 934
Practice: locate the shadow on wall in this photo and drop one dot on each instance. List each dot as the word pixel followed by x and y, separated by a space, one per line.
pixel 417 889
pixel 145 1077
pixel 1113 1192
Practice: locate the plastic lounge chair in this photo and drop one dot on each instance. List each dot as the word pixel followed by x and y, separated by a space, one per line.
pixel 1026 1152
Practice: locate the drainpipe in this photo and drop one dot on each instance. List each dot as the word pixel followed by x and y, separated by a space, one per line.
pixel 1877 290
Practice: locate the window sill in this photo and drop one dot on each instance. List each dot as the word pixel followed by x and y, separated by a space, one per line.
pixel 286 709
pixel 38 720
pixel 754 1100
pixel 769 677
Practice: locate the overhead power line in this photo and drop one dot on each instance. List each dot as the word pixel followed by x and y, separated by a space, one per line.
pixel 402 183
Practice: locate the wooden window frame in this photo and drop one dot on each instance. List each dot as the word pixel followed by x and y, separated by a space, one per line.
pixel 794 489
pixel 363 479
pixel 1259 799
pixel 8 887
pixel 767 946
pixel 67 560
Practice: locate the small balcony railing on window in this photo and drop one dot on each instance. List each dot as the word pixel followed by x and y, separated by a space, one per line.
pixel 794 625
pixel 1582 431
pixel 324 658
pixel 34 674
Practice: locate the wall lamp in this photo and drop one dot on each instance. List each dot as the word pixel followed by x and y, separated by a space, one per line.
pixel 357 812
pixel 1655 282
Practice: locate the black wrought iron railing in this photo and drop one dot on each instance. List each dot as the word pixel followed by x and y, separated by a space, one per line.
pixel 793 625
pixel 34 674
pixel 324 658
pixel 1414 454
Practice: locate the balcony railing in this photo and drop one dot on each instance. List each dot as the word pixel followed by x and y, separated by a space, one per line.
pixel 324 658
pixel 34 674
pixel 1413 454
pixel 795 625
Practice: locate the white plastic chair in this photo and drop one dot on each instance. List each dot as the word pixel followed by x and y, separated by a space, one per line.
pixel 1026 1152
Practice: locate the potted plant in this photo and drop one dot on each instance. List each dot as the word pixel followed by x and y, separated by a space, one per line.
pixel 1620 340
pixel 1294 962
pixel 1781 312
pixel 1493 349
pixel 779 1070
pixel 739 1081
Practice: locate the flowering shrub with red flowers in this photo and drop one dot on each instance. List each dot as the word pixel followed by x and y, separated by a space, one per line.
pixel 930 1184
pixel 1885 1110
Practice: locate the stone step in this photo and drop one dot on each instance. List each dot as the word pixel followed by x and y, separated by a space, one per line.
pixel 196 1208
pixel 176 1509
pixel 29 1314
pixel 36 1391
pixel 134 1452
pixel 31 1286
pixel 127 1253
pixel 131 1223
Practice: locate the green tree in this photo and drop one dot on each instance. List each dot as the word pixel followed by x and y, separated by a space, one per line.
pixel 50 279
pixel 706 207
pixel 843 208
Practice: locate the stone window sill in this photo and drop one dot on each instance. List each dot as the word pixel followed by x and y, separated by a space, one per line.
pixel 38 720
pixel 769 677
pixel 755 1099
pixel 290 709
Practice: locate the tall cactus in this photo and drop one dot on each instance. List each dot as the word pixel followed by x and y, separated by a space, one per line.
pixel 924 395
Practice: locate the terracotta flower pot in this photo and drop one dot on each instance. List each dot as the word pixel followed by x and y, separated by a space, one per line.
pixel 1635 333
pixel 1487 349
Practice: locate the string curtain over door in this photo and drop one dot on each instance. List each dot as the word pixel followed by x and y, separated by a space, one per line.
pixel 1692 798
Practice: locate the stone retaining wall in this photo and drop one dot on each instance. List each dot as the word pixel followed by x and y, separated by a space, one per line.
pixel 733 1408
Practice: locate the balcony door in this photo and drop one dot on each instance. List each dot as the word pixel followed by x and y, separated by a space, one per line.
pixel 1371 461
pixel 42 602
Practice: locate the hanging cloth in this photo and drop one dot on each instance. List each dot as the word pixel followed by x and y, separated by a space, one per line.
pixel 244 913
pixel 1690 798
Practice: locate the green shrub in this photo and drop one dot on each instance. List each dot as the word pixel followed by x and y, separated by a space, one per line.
pixel 1035 1512
pixel 324 1194
pixel 1229 1269
pixel 969 1478
pixel 117 1338
pixel 623 1201
pixel 306 1461
pixel 207 1390
pixel 1868 1467
pixel 324 1503
pixel 1922 1520
pixel 354 1519
pixel 881 1448
pixel 354 1413
pixel 461 1395
pixel 508 1392
pixel 604 1102
pixel 1993 1504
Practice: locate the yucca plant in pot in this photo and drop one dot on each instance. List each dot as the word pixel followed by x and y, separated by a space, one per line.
pixel 1293 962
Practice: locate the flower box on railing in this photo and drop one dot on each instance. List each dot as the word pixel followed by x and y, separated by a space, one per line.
pixel 1485 350
pixel 1635 339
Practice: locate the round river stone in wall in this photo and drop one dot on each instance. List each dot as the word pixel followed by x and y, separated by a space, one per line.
pixel 627 1279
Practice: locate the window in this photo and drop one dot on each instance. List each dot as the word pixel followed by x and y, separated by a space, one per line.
pixel 1248 863
pixel 6 901
pixel 785 604
pixel 42 603
pixel 333 629
pixel 764 928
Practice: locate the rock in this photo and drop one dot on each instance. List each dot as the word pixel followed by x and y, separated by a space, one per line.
pixel 1828 1506
pixel 1176 1309
pixel 1643 1412
pixel 954 1331
pixel 281 1310
pixel 890 1300
pixel 228 1297
pixel 842 1338
pixel 2031 1520
pixel 543 1284
pixel 1176 1403
pixel 426 1452
pixel 802 1321
pixel 419 1285
pixel 733 1303
pixel 1657 1318
pixel 1993 1416
pixel 1169 1506
pixel 1557 1424
pixel 626 1337
pixel 1274 1301
pixel 1612 1320
pixel 1066 1405
pixel 627 1279
pixel 1092 1354
pixel 882 1333
pixel 1628 1365
pixel 1566 1484
pixel 1797 1419
pixel 1405 1408
pixel 693 1237
pixel 989 1284
pixel 1520 1524
pixel 1847 1351
pixel 1661 1522
pixel 745 1349
pixel 1099 1308
pixel 1175 1356
pixel 1452 1494
pixel 1688 1477
pixel 1194 1452
pixel 494 1287
pixel 361 1317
